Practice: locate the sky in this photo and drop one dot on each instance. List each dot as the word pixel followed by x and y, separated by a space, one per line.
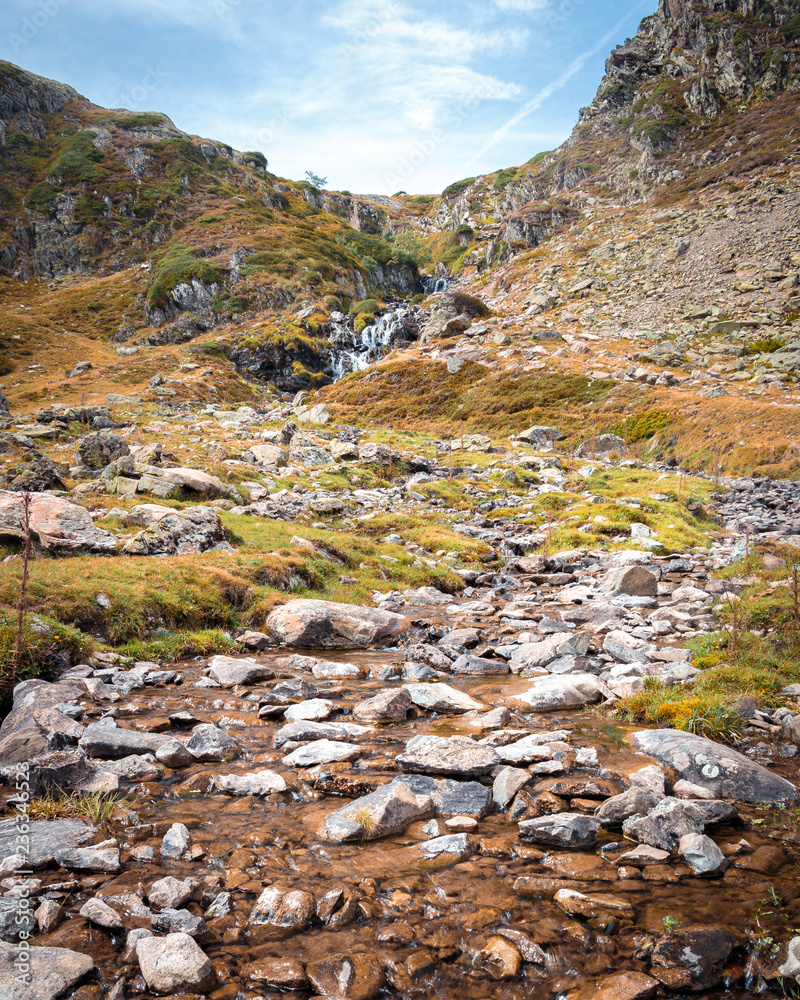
pixel 377 96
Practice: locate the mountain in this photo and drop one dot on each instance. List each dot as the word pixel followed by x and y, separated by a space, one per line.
pixel 656 244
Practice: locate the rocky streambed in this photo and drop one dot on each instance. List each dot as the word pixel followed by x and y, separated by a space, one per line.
pixel 453 813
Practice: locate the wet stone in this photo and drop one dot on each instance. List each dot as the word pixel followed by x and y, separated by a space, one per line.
pixel 100 913
pixel 208 743
pixel 321 752
pixel 46 836
pixel 579 904
pixel 256 783
pixel 289 909
pixel 664 825
pixel 476 665
pixel 391 705
pixel 448 756
pixel 702 854
pixel 229 671
pixel 53 971
pixel 352 976
pixel 460 845
pixel 390 809
pixel 169 893
pixel 175 964
pixel 277 973
pixel 561 830
pixel 171 921
pixel 450 797
pixel 442 698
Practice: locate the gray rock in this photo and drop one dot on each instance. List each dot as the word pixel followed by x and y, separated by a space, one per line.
pixel 31 697
pixel 255 783
pixel 328 670
pixel 507 783
pixel 48 915
pixel 388 810
pixel 457 755
pixel 637 581
pixel 174 754
pixel 178 532
pixel 175 842
pixel 16 917
pixel 230 671
pixel 56 524
pixel 450 797
pixel 724 772
pixel 290 909
pixel 386 705
pixel 305 732
pixel 561 830
pixel 53 971
pixel 175 964
pixel 312 709
pixel 208 743
pixel 547 694
pixel 626 648
pixel 45 837
pixel 664 825
pixel 635 801
pixel 169 893
pixel 321 752
pixel 442 698
pixel 108 741
pixel 99 912
pixel 702 854
pixel 310 623
pixel 87 859
pixel 171 921
pixel 469 664
pixel 458 844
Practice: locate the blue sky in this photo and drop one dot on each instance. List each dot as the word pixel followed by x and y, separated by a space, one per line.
pixel 377 95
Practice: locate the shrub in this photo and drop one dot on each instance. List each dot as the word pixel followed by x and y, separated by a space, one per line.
pixel 77 159
pixel 454 190
pixel 178 265
pixel 255 159
pixel 365 306
pixel 140 119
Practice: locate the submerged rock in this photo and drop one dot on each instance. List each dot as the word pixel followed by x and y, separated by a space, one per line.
pixel 724 772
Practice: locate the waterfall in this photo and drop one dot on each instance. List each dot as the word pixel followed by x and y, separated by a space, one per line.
pixel 353 352
pixel 431 285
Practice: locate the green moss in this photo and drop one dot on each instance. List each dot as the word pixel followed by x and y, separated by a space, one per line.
pixel 178 265
pixel 139 119
pixel 365 306
pixel 77 159
pixel 459 187
pixel 641 426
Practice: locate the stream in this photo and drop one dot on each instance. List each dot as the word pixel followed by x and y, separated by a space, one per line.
pixel 482 923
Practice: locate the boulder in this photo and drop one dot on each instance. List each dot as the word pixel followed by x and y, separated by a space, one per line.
pixel 45 838
pixel 256 783
pixel 456 755
pixel 230 671
pixel 179 532
pixel 53 971
pixel 450 797
pixel 208 743
pixel 635 801
pixel 692 957
pixel 702 854
pixel 56 524
pixel 107 740
pixel 98 450
pixel 469 664
pixel 560 691
pixel 723 771
pixel 388 810
pixel 357 975
pixel 391 705
pixel 321 752
pixel 665 824
pixel 290 909
pixel 175 964
pixel 324 623
pixel 637 581
pixel 561 830
pixel 442 698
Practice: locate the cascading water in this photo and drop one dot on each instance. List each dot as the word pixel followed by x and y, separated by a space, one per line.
pixel 354 352
pixel 432 285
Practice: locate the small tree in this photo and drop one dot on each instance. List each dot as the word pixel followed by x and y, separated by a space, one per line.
pixel 315 180
pixel 26 558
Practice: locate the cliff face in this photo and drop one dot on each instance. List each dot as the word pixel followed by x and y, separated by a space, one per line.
pixel 698 79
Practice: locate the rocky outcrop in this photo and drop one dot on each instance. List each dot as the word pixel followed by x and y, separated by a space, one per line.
pixel 56 524
pixel 327 624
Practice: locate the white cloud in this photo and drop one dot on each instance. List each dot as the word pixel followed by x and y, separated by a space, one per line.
pixel 522 5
